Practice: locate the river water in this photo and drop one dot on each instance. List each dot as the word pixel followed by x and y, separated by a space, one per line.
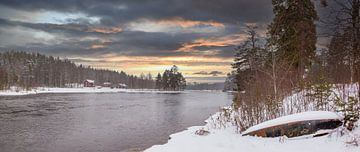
pixel 106 122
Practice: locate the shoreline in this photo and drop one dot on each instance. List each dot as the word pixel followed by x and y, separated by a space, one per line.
pixel 46 90
pixel 229 140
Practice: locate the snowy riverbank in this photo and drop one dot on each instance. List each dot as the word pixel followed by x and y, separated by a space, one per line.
pixel 227 140
pixel 17 92
pixel 220 135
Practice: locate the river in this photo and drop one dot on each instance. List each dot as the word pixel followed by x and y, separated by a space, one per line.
pixel 106 122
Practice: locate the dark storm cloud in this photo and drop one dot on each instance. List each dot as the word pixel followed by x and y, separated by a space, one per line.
pixel 223 51
pixel 123 43
pixel 111 36
pixel 134 43
pixel 115 11
pixel 74 29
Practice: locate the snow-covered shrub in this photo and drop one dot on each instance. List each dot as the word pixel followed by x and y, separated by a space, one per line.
pixel 350 109
pixel 243 115
pixel 221 119
pixel 319 93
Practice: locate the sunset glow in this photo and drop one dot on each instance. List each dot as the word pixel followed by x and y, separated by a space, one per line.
pixel 141 64
pixel 134 36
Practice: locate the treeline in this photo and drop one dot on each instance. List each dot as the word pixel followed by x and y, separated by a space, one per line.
pixel 267 69
pixel 205 86
pixel 29 70
pixel 170 80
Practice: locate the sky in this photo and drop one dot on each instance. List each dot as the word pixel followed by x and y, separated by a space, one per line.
pixel 135 36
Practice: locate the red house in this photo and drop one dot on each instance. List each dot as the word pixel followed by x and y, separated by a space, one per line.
pixel 89 83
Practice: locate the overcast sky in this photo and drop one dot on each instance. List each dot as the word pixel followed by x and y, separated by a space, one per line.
pixel 134 35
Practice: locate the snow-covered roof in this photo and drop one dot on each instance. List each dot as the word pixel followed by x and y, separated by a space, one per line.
pixel 107 83
pixel 121 84
pixel 90 81
pixel 305 116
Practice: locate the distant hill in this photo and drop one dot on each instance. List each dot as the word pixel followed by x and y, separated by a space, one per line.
pixel 205 86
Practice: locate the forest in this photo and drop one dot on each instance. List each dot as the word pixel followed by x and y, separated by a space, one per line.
pixel 28 70
pixel 288 59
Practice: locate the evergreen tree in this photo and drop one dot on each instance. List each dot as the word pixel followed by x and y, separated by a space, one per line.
pixel 293 32
pixel 246 60
pixel 345 20
pixel 165 80
pixel 158 82
pixel 3 78
pixel 320 93
pixel 230 82
pixel 350 110
pixel 182 82
pixel 172 79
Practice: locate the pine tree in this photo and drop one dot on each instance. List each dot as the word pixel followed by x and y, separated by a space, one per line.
pixel 172 79
pixel 338 58
pixel 246 60
pixel 182 81
pixel 320 92
pixel 165 80
pixel 158 82
pixel 350 110
pixel 346 20
pixel 3 78
pixel 293 32
pixel 230 84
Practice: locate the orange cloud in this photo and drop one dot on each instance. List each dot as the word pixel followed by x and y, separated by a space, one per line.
pixel 178 21
pixel 168 59
pixel 213 42
pixel 104 30
pixel 97 46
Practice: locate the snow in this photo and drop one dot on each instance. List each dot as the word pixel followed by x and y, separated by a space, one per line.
pixel 123 85
pixel 107 83
pixel 297 101
pixel 227 140
pixel 225 137
pixel 40 90
pixel 311 115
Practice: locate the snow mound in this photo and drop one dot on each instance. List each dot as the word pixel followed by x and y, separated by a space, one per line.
pixel 305 116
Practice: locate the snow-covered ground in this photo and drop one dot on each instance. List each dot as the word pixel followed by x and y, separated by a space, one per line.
pixel 298 102
pixel 223 136
pixel 227 140
pixel 17 92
